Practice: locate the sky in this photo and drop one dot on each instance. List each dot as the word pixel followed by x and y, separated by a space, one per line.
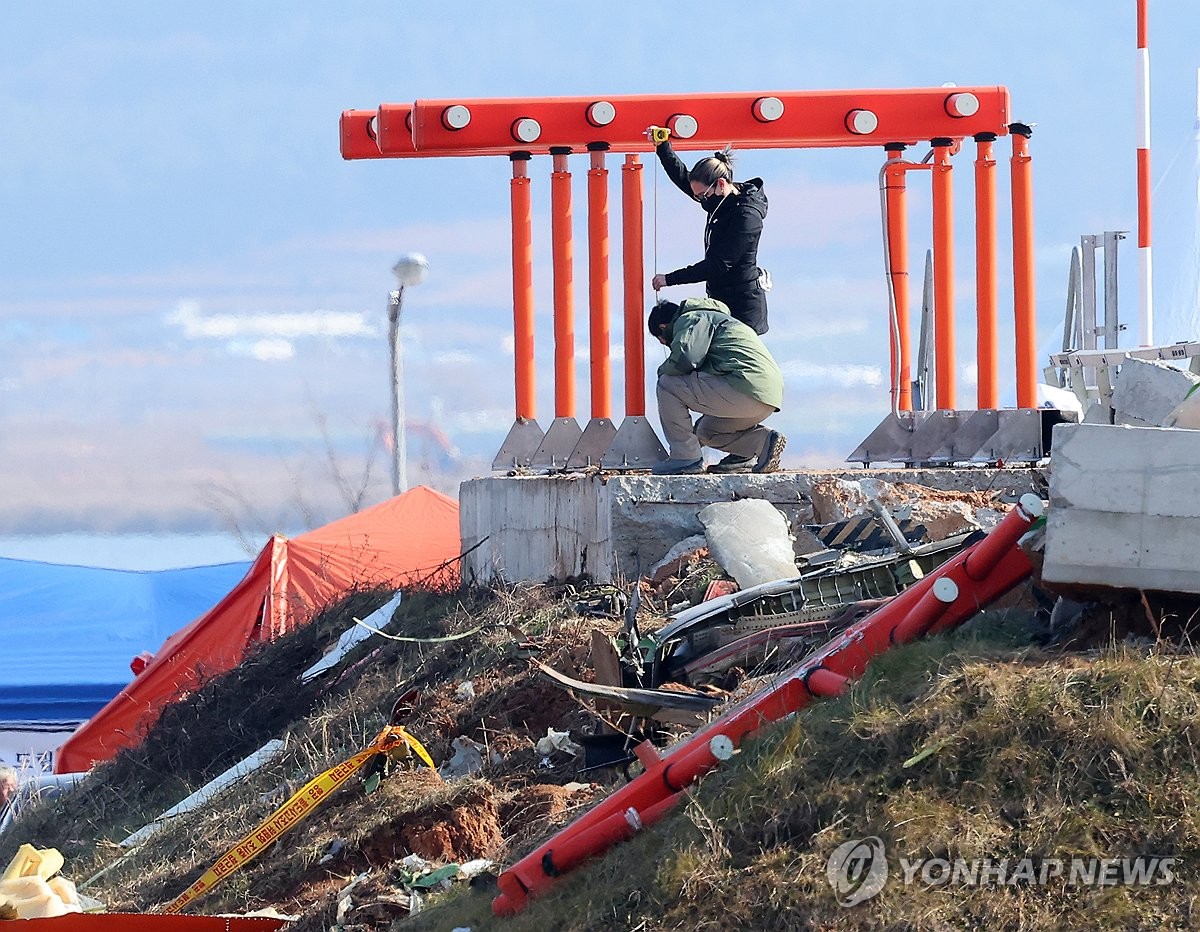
pixel 193 282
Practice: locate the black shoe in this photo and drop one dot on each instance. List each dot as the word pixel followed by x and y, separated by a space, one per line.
pixel 768 459
pixel 677 467
pixel 734 463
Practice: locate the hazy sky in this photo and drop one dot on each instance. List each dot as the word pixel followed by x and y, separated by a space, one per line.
pixel 193 282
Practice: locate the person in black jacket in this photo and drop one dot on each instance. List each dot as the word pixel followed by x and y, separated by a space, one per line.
pixel 736 211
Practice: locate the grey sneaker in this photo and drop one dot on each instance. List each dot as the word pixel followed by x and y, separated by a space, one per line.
pixel 768 459
pixel 677 467
pixel 734 463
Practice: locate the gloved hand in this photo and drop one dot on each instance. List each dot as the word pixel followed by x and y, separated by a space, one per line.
pixel 657 134
pixel 658 281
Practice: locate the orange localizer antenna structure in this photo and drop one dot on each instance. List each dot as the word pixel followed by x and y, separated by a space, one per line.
pixel 598 307
pixel 633 264
pixel 895 193
pixel 530 128
pixel 1024 296
pixel 943 273
pixel 988 389
pixel 563 251
pixel 522 263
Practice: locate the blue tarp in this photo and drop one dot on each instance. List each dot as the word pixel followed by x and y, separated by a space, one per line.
pixel 68 633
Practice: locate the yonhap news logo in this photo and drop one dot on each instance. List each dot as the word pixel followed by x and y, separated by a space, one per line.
pixel 858 870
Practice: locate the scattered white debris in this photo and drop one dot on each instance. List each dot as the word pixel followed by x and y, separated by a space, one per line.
pixel 467 759
pixel 465 691
pixel 356 634
pixel 556 741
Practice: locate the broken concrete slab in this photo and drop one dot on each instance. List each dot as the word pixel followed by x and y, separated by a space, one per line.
pixel 1123 509
pixel 1146 391
pixel 609 527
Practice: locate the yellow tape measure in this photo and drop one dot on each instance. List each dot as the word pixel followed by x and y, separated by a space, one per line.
pixel 301 805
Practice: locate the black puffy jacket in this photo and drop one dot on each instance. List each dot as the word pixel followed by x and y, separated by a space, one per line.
pixel 729 268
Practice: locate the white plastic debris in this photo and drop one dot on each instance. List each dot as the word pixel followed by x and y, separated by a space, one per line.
pixel 352 636
pixel 415 863
pixel 557 741
pixel 472 868
pixel 467 759
pixel 750 540
pixel 465 691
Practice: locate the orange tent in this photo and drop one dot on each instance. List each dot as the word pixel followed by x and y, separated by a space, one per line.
pixel 397 543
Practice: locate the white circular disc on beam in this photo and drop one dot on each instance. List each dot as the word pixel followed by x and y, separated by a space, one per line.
pixel 767 109
pixel 373 127
pixel 945 590
pixel 721 747
pixel 456 117
pixel 862 122
pixel 962 105
pixel 683 126
pixel 526 129
pixel 1031 505
pixel 601 113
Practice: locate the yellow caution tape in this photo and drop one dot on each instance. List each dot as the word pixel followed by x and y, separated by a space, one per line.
pixel 301 805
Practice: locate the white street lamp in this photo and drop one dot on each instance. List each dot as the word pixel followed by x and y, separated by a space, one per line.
pixel 411 269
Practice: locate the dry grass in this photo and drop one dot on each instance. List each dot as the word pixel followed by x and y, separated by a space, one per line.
pixel 972 746
pixel 1031 755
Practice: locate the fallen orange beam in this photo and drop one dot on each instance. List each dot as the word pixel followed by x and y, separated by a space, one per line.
pixel 948 596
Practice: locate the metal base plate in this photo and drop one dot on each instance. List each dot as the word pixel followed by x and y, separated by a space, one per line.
pixel 975 428
pixel 593 443
pixel 523 440
pixel 636 446
pixel 1018 438
pixel 557 445
pixel 891 441
pixel 934 438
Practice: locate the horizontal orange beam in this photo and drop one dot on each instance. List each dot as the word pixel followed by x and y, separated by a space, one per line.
pixel 784 119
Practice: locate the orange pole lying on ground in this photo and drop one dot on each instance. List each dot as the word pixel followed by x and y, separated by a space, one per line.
pixel 564 286
pixel 1024 307
pixel 985 272
pixel 635 293
pixel 896 200
pixel 943 273
pixel 597 188
pixel 522 267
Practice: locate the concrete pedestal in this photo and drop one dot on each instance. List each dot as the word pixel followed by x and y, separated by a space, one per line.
pixel 615 527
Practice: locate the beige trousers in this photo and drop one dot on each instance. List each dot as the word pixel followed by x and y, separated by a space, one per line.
pixel 731 421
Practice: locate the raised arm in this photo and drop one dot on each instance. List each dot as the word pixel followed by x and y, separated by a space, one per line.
pixel 674 167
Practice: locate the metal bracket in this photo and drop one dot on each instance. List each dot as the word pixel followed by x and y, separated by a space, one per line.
pixel 636 446
pixel 523 440
pixel 891 441
pixel 593 443
pixel 557 445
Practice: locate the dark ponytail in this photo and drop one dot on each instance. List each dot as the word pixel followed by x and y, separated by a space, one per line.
pixel 717 166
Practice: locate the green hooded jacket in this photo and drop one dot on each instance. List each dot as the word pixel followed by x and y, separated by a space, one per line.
pixel 705 338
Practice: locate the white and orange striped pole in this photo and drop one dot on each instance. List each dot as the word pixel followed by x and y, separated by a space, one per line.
pixel 1145 267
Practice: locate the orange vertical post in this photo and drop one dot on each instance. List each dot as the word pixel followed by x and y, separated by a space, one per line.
pixel 563 250
pixel 943 273
pixel 601 372
pixel 1024 306
pixel 896 199
pixel 522 267
pixel 633 267
pixel 988 394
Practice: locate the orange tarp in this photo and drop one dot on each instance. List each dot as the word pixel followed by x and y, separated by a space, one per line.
pixel 397 543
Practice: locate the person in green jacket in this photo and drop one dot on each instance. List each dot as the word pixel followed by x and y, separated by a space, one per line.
pixel 719 368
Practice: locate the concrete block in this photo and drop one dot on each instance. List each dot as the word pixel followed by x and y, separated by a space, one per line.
pixel 608 527
pixel 1147 390
pixel 1123 508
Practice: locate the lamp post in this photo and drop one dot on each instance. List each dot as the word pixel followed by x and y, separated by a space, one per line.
pixel 411 269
